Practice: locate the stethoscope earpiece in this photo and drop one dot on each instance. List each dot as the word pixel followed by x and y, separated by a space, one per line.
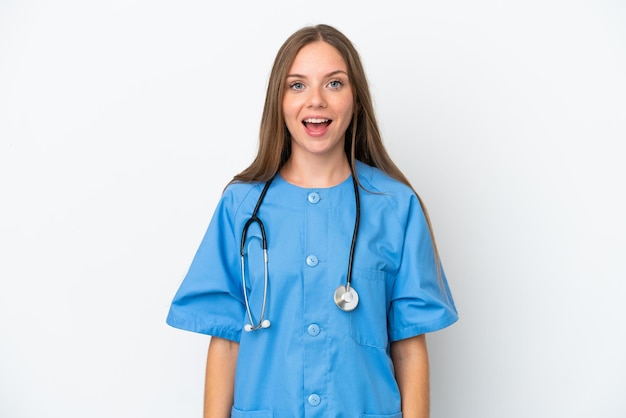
pixel 264 324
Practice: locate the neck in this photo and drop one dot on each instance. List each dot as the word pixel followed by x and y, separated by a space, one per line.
pixel 316 172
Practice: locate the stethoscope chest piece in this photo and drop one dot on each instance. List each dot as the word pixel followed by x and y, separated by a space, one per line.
pixel 346 298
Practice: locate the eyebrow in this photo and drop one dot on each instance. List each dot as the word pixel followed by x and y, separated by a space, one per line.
pixel 331 74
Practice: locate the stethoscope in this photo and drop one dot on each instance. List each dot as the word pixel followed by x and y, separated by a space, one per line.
pixel 345 297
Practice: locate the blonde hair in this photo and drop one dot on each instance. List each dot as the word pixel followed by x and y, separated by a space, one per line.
pixel 363 141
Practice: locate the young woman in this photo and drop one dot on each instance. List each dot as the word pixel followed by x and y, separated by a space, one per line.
pixel 318 276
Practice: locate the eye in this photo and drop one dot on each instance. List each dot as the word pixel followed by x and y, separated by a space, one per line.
pixel 335 84
pixel 296 85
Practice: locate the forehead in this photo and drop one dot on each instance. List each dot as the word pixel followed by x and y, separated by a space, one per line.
pixel 318 56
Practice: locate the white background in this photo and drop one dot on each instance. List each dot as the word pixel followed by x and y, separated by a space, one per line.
pixel 121 122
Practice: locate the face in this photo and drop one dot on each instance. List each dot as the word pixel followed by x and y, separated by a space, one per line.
pixel 318 101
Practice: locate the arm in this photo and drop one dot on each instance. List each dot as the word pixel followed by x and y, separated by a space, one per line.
pixel 220 378
pixel 410 361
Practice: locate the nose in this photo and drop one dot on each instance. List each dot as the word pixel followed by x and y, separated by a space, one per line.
pixel 316 98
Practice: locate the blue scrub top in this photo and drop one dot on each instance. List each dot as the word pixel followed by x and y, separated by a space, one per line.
pixel 316 360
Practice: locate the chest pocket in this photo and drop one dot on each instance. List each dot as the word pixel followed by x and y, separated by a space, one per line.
pixel 368 322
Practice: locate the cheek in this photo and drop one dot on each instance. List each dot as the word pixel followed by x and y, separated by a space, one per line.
pixel 289 117
pixel 348 110
pixel 290 109
pixel 347 104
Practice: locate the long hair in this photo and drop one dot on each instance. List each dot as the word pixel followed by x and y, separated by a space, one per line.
pixel 363 141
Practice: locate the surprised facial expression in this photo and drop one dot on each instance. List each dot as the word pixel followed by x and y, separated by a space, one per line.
pixel 318 101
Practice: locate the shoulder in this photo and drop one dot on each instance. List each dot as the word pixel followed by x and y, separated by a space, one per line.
pixel 238 193
pixel 240 189
pixel 394 194
pixel 374 180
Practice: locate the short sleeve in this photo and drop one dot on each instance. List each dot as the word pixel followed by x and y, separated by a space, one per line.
pixel 421 301
pixel 209 299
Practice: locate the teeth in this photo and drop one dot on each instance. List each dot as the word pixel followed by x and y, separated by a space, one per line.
pixel 314 120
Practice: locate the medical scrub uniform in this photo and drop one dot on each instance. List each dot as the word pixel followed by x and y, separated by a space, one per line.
pixel 316 360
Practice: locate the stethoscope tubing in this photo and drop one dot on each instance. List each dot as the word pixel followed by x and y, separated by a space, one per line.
pixel 357 221
pixel 345 297
pixel 263 323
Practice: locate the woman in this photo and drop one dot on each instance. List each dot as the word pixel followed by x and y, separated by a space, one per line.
pixel 334 323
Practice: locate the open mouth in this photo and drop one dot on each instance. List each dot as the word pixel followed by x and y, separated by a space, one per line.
pixel 315 124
